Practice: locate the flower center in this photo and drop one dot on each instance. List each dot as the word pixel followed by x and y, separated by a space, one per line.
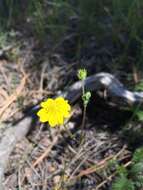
pixel 52 108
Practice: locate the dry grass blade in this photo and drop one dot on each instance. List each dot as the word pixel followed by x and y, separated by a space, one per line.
pixel 14 96
pixel 109 178
pixel 3 93
pixel 100 165
pixel 45 154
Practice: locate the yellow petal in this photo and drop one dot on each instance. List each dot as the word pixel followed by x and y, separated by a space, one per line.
pixel 43 115
pixel 47 103
pixel 62 104
pixel 66 114
pixel 59 99
pixel 60 119
pixel 52 122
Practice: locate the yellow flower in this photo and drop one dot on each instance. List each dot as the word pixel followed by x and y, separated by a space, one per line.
pixel 54 111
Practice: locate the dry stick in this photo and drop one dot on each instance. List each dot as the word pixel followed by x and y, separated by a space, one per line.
pixel 135 74
pixel 3 93
pixel 110 177
pixel 33 169
pixel 68 131
pixel 80 154
pixel 113 86
pixel 42 79
pixel 77 168
pixel 105 181
pixel 19 176
pixel 100 165
pixel 14 96
pixel 46 153
pixel 82 162
pixel 25 174
pixel 5 77
pixel 91 170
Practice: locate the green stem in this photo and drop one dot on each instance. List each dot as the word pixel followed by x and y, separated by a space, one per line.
pixel 84 114
pixel 83 123
pixel 83 88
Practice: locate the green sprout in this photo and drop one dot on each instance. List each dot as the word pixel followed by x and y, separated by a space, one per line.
pixel 82 74
pixel 86 95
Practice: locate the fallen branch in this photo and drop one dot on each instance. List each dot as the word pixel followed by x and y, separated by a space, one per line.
pixel 108 82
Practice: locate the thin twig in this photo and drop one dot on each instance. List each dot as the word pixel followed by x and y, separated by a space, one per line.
pixel 14 96
pixel 46 153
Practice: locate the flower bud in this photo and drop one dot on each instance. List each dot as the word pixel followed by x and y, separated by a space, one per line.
pixel 86 97
pixel 82 74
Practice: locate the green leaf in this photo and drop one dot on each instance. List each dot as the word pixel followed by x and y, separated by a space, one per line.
pixel 122 171
pixel 86 97
pixel 122 183
pixel 139 181
pixel 139 114
pixel 138 155
pixel 137 169
pixel 139 86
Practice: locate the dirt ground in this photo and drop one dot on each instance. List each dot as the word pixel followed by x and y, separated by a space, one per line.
pixel 44 159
